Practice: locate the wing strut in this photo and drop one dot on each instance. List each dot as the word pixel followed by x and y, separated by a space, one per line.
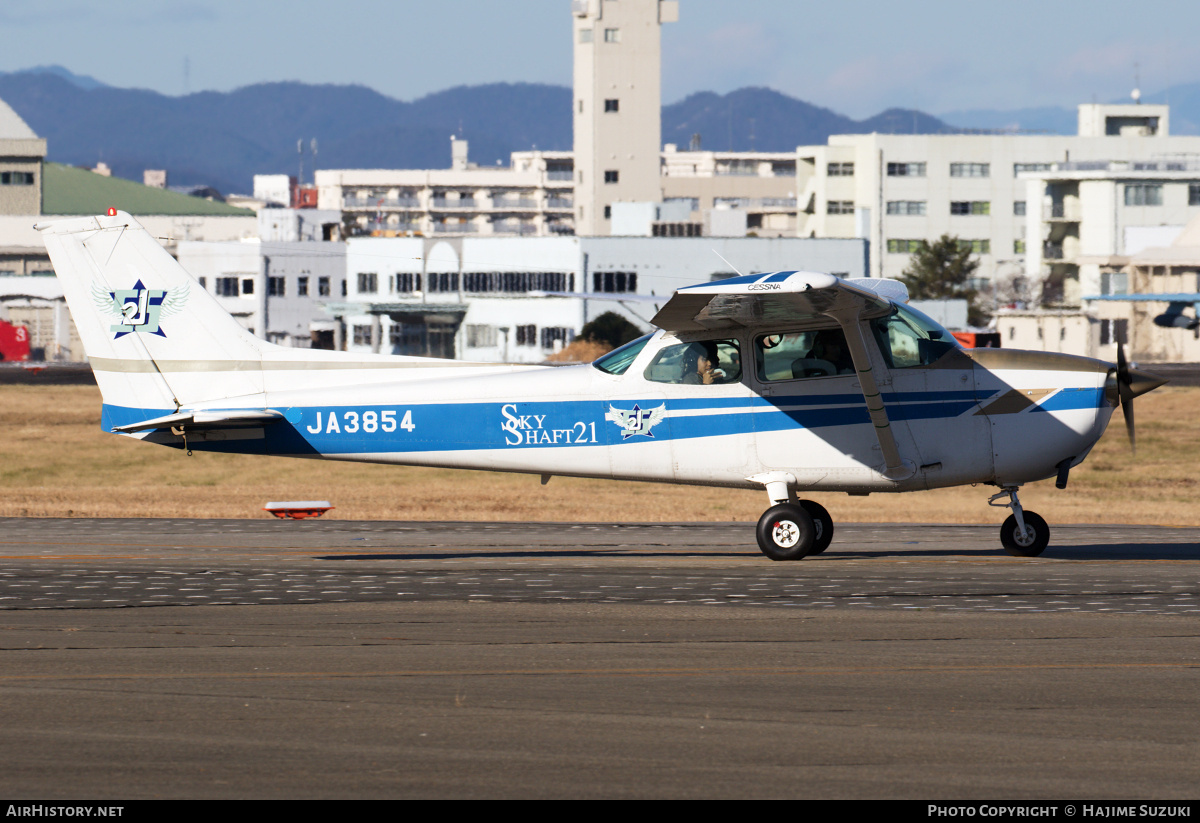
pixel 848 318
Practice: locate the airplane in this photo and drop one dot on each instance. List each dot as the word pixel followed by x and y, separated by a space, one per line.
pixel 1173 317
pixel 794 383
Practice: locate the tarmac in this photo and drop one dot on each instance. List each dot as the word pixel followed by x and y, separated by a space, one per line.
pixel 342 659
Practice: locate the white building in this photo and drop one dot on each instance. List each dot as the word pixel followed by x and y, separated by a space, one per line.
pixel 617 158
pixel 532 196
pixel 276 290
pixel 1090 217
pixel 898 190
pixel 480 298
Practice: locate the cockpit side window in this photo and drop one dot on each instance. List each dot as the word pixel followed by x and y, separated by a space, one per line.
pixel 705 362
pixel 908 338
pixel 796 355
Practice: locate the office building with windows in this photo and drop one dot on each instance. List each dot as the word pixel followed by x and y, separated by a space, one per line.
pixel 276 290
pixel 519 300
pixel 900 190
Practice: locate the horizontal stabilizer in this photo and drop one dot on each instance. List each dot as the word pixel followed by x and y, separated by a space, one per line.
pixel 205 420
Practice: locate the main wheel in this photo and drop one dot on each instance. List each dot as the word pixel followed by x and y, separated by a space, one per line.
pixel 786 532
pixel 1030 544
pixel 823 524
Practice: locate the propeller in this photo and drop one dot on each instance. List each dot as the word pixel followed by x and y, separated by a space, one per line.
pixel 1132 383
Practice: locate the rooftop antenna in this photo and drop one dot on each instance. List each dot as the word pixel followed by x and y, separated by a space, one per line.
pixel 1136 94
pixel 187 71
pixel 727 263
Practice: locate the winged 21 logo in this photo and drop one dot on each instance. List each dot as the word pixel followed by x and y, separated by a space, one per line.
pixel 139 309
pixel 637 420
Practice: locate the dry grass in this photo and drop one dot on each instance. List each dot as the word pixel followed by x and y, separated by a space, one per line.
pixel 55 462
pixel 580 350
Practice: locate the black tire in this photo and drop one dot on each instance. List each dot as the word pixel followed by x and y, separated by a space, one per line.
pixel 786 532
pixel 823 524
pixel 1029 545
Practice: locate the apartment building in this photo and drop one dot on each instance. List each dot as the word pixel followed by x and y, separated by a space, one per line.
pixel 899 190
pixel 1091 217
pixel 531 196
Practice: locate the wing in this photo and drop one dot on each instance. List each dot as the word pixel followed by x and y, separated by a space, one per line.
pixel 1187 298
pixel 773 298
pixel 104 300
pixel 174 302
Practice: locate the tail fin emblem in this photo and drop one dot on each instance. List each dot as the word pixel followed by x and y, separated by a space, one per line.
pixel 139 309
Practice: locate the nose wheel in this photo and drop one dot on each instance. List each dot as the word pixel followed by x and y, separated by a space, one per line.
pixel 1024 534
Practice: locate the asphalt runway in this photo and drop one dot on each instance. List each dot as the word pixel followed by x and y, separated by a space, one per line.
pixel 177 658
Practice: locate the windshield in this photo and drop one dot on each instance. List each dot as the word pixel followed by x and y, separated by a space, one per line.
pixel 619 360
pixel 908 338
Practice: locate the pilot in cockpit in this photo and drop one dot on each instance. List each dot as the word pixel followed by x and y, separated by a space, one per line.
pixel 827 356
pixel 830 346
pixel 700 364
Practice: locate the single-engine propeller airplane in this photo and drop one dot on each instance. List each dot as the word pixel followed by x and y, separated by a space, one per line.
pixel 1177 304
pixel 793 382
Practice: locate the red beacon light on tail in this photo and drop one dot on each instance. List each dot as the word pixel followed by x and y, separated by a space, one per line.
pixel 112 211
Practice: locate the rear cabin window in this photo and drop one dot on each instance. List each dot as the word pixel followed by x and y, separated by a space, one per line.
pixel 797 355
pixel 705 362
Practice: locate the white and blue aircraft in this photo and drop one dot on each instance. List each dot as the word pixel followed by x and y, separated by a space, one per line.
pixel 1173 317
pixel 796 383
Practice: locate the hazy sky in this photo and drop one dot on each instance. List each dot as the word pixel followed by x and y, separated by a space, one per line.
pixel 854 57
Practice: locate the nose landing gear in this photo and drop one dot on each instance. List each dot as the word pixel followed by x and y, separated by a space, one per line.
pixel 1024 534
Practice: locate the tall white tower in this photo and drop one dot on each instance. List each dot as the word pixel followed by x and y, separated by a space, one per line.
pixel 618 105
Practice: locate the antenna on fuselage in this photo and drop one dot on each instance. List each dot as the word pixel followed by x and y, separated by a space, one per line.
pixel 727 263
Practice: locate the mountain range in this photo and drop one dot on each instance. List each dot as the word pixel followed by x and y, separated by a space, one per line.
pixel 222 139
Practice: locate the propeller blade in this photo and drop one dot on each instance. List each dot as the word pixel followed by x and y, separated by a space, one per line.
pixel 1127 410
pixel 1126 395
pixel 1132 383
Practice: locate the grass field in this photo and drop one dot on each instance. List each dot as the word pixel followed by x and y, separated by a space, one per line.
pixel 55 462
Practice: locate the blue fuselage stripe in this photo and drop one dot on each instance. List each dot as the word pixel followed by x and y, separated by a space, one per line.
pixel 416 427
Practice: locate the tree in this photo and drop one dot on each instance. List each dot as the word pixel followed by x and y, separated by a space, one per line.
pixel 610 328
pixel 943 270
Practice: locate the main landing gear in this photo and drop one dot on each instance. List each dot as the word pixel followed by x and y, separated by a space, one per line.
pixel 792 531
pixel 1024 534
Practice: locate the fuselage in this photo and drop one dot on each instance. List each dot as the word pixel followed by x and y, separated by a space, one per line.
pixel 977 416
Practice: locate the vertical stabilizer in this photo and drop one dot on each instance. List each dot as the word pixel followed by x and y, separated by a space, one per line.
pixel 155 338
